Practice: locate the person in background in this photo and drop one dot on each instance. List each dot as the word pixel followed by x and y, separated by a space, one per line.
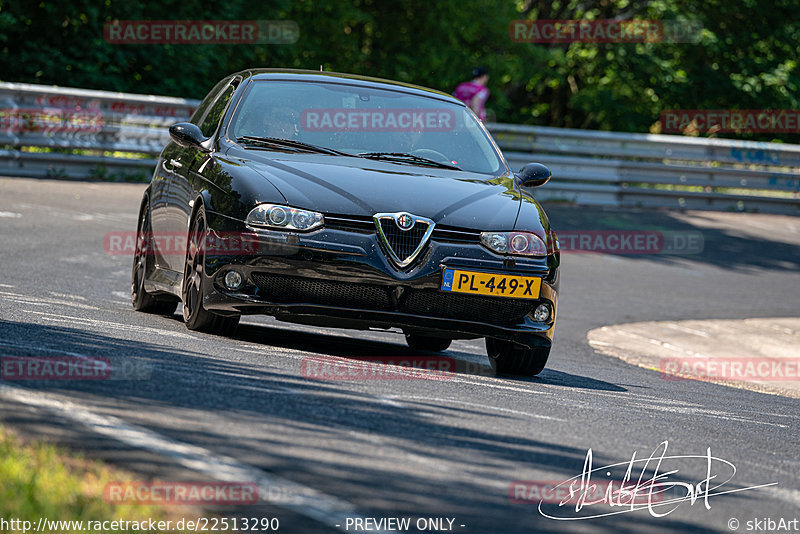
pixel 475 93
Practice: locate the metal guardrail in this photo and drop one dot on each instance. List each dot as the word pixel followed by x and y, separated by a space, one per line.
pixel 84 128
pixel 87 133
pixel 672 171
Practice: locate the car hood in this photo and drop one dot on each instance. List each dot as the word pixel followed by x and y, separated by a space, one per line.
pixel 357 186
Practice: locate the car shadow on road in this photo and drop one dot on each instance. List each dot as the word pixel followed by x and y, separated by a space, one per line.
pixel 425 449
pixel 560 378
pixel 398 354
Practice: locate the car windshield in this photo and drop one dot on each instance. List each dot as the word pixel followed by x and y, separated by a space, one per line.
pixel 357 120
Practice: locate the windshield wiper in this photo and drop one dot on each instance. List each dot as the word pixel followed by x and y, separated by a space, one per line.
pixel 403 157
pixel 289 143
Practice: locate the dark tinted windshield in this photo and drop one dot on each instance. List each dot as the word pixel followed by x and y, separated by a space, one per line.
pixel 357 120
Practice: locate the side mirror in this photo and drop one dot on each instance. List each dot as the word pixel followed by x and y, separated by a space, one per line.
pixel 533 175
pixel 188 135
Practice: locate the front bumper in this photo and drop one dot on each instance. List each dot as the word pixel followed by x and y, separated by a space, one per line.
pixel 343 278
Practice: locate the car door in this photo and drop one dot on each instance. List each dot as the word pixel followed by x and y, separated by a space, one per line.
pixel 187 177
pixel 159 191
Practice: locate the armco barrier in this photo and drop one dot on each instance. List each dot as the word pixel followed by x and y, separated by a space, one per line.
pixel 84 129
pixel 589 167
pixel 623 169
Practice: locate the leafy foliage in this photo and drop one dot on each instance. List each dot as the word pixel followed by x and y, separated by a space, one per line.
pixel 745 58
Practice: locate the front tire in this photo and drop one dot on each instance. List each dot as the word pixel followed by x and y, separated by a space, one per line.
pixel 142 300
pixel 509 358
pixel 192 288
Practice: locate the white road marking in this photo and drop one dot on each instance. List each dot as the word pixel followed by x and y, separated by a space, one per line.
pixel 486 381
pixel 646 403
pixel 698 410
pixel 34 300
pixel 83 258
pixel 7 285
pixel 479 405
pixel 273 350
pixel 83 321
pixel 281 492
pixel 390 401
pixel 40 348
pixel 122 294
pixel 10 214
pixel 67 296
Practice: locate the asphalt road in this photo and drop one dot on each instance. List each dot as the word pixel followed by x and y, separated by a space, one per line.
pixel 441 447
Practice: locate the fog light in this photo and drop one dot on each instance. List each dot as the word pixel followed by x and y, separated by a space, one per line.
pixel 233 280
pixel 542 313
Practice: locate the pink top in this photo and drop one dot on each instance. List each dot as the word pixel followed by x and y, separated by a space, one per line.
pixel 468 90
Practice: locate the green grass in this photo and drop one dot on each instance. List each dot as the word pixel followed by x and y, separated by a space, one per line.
pixel 98 172
pixel 82 152
pixel 741 191
pixel 40 480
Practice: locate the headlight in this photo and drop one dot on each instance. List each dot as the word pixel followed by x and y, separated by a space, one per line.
pixel 520 243
pixel 283 218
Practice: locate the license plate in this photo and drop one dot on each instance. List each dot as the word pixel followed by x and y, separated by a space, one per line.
pixel 496 285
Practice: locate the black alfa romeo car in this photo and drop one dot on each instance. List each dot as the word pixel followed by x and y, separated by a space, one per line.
pixel 339 200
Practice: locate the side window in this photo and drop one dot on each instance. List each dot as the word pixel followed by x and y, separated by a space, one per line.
pixel 207 101
pixel 211 121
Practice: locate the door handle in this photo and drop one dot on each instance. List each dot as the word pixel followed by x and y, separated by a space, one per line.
pixel 173 164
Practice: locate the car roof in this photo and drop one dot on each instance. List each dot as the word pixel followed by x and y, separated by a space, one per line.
pixel 340 77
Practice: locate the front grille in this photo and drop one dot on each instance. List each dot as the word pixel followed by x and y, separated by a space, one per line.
pixel 465 307
pixel 351 223
pixel 292 289
pixel 455 235
pixel 366 225
pixel 403 242
pixel 426 302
